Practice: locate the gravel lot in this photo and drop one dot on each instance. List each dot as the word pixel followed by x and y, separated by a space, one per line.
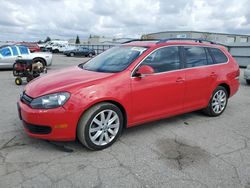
pixel 191 150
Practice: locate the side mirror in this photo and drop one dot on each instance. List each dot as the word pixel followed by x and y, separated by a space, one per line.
pixel 144 70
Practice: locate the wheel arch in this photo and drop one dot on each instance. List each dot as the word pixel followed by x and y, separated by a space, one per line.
pixel 116 103
pixel 227 87
pixel 41 58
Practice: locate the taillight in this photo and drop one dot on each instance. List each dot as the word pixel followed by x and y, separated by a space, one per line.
pixel 237 74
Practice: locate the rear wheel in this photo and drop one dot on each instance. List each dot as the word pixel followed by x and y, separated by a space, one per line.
pixel 29 78
pixel 248 82
pixel 217 103
pixel 100 126
pixel 39 60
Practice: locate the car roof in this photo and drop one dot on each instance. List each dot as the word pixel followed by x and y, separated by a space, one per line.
pixel 16 45
pixel 3 46
pixel 168 42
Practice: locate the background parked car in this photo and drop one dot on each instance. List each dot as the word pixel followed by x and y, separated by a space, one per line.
pixel 8 55
pixel 33 47
pixel 60 48
pixel 80 51
pixel 53 45
pixel 247 74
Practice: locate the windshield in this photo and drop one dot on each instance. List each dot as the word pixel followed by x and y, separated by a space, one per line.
pixel 114 60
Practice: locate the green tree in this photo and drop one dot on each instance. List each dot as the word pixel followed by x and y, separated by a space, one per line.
pixel 47 39
pixel 77 40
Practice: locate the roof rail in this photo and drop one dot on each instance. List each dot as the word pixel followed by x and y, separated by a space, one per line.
pixel 134 40
pixel 199 40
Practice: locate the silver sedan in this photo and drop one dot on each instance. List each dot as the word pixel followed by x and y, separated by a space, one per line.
pixel 8 55
pixel 247 74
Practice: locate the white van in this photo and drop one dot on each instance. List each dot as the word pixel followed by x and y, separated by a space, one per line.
pixel 54 45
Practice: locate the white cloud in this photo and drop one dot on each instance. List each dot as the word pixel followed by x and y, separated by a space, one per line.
pixel 36 19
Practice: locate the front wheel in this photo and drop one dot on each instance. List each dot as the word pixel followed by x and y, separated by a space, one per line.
pixel 100 126
pixel 217 103
pixel 18 81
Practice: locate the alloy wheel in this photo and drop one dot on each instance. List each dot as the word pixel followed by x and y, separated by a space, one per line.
pixel 219 101
pixel 104 127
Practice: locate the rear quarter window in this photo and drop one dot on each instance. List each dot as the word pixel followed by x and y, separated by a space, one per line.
pixel 218 55
pixel 5 52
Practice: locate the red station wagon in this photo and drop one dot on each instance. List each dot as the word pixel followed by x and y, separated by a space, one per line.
pixel 127 85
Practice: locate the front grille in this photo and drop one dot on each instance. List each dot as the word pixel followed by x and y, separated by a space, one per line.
pixel 37 129
pixel 26 99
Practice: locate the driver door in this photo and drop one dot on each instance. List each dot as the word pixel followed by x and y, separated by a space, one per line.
pixel 160 94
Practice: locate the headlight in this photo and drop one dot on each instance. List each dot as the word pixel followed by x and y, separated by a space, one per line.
pixel 50 101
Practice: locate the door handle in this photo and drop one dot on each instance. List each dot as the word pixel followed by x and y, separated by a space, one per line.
pixel 213 74
pixel 180 80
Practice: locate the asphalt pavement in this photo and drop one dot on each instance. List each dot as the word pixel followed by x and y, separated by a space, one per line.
pixel 190 150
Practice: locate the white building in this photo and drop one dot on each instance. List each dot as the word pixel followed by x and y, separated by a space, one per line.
pixel 216 37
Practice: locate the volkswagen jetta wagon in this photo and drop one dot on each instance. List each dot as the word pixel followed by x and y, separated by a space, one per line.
pixel 128 85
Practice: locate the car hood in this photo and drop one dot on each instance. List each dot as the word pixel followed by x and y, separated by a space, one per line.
pixel 63 80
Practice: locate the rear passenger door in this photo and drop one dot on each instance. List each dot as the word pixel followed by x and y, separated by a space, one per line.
pixel 24 52
pixel 85 51
pixel 200 77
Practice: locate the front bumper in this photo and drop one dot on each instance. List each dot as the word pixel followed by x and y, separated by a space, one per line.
pixel 51 124
pixel 247 74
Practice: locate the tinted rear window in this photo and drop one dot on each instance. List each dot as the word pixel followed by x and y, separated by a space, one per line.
pixel 218 55
pixel 14 50
pixel 5 52
pixel 195 56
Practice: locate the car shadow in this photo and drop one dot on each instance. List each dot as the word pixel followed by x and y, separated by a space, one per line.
pixel 76 146
pixel 183 118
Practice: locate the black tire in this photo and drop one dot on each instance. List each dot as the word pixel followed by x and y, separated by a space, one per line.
pixel 248 82
pixel 56 51
pixel 18 81
pixel 209 109
pixel 72 54
pixel 83 128
pixel 40 60
pixel 15 72
pixel 29 78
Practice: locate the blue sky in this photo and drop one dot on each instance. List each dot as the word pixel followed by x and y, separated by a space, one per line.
pixel 32 20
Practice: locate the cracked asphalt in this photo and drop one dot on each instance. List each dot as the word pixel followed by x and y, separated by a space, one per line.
pixel 190 150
